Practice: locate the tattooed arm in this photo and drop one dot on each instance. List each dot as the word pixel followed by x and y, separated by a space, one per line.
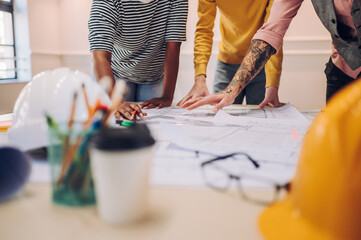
pixel 257 56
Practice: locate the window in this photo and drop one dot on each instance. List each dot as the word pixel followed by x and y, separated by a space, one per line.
pixel 7 42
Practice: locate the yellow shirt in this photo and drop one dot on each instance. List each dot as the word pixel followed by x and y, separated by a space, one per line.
pixel 239 21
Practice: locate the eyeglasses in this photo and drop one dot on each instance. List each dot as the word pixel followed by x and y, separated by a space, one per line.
pixel 219 172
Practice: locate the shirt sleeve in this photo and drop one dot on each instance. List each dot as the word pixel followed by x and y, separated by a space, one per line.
pixel 273 67
pixel 207 10
pixel 102 25
pixel 281 15
pixel 177 21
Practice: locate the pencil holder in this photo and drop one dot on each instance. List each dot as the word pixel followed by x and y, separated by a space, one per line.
pixel 72 183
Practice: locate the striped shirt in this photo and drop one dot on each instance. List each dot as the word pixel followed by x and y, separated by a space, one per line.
pixel 136 34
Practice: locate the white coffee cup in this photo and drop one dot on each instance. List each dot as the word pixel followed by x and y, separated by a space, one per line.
pixel 120 161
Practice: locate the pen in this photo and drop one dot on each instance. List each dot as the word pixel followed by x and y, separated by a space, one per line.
pixel 124 123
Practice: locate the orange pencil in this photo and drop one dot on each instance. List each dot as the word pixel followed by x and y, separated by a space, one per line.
pixel 65 161
pixel 97 104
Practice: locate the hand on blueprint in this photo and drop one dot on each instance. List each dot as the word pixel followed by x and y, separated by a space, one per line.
pixel 271 98
pixel 199 89
pixel 129 111
pixel 220 99
pixel 160 102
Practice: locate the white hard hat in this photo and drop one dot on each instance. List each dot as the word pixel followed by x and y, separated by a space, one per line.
pixel 52 93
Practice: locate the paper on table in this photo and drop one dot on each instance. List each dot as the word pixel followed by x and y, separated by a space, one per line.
pixel 285 112
pixel 179 170
pixel 201 112
pixel 173 166
pixel 283 123
pixel 265 141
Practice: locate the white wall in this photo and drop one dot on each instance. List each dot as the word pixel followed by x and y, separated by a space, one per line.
pixel 58 37
pixel 44 27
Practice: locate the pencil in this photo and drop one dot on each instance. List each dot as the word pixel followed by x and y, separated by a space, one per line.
pixel 86 99
pixel 65 160
pixel 72 111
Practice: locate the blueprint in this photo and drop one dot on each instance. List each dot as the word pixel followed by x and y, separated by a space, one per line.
pixel 272 137
pixel 206 113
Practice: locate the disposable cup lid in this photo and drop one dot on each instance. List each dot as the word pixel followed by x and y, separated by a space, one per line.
pixel 115 139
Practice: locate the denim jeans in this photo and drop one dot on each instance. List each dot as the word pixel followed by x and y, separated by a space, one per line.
pixel 143 92
pixel 254 91
pixel 336 79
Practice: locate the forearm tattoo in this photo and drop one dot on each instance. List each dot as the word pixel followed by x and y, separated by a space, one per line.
pixel 257 56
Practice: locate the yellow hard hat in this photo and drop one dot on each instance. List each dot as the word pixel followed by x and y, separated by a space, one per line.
pixel 324 201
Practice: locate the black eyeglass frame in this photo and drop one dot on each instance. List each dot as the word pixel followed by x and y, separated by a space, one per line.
pixel 277 187
pixel 254 162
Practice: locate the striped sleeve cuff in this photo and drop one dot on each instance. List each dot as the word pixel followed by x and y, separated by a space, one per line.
pixel 102 25
pixel 177 22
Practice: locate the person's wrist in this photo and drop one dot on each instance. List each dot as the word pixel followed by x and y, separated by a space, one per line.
pixel 272 89
pixel 167 97
pixel 233 91
pixel 200 79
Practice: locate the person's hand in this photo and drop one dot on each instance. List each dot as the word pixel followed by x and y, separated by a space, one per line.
pixel 221 99
pixel 199 89
pixel 160 102
pixel 126 110
pixel 271 98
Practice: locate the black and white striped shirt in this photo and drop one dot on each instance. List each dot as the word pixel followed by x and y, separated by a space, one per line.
pixel 136 34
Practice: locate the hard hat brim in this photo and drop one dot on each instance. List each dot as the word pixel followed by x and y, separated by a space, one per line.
pixel 282 221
